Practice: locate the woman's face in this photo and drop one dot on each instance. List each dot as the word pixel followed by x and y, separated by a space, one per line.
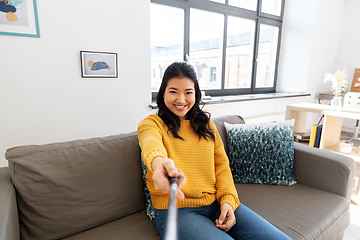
pixel 179 96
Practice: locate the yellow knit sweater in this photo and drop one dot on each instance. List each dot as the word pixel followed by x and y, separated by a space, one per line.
pixel 203 162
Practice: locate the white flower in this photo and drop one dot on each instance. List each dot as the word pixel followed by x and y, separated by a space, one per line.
pixel 338 82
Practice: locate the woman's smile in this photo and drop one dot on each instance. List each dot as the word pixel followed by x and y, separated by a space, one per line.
pixel 181 107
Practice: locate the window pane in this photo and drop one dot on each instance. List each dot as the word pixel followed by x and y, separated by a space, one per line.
pixel 247 4
pixel 239 52
pixel 219 1
pixel 166 39
pixel 271 7
pixel 266 60
pixel 206 41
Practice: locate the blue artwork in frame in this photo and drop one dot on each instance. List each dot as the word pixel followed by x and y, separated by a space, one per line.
pixel 19 18
pixel 98 64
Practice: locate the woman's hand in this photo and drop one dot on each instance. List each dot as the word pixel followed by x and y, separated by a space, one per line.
pixel 164 168
pixel 227 218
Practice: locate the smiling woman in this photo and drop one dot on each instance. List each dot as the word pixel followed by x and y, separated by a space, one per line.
pixel 179 96
pixel 181 141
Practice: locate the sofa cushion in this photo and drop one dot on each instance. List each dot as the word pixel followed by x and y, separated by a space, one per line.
pixel 262 153
pixel 301 212
pixel 133 227
pixel 65 188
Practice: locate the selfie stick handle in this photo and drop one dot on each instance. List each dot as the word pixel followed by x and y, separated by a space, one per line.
pixel 171 221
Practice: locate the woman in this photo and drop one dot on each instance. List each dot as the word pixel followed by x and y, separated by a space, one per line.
pixel 181 141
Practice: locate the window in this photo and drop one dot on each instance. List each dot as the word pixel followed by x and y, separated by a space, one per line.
pixel 166 38
pixel 266 59
pixel 206 34
pixel 219 1
pixel 246 4
pixel 199 72
pixel 232 44
pixel 213 74
pixel 239 52
pixel 271 7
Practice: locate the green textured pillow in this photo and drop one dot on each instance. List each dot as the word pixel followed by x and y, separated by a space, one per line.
pixel 149 207
pixel 262 153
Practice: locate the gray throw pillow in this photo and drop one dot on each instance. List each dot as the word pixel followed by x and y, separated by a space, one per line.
pixel 262 153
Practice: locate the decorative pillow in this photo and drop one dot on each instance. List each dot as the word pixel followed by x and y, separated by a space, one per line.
pixel 149 207
pixel 262 153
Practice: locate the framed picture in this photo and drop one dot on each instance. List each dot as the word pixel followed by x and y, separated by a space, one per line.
pixel 98 64
pixel 355 85
pixel 19 18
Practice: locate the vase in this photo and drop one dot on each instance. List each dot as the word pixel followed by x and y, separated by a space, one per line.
pixel 336 103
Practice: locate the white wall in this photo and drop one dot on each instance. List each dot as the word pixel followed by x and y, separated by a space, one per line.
pixel 325 45
pixel 321 41
pixel 43 98
pixel 310 46
pixel 311 38
pixel 296 44
pixel 349 50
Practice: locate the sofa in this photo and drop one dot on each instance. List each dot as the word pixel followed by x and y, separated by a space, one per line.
pixel 93 189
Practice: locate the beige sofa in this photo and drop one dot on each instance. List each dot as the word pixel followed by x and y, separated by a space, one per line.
pixel 93 189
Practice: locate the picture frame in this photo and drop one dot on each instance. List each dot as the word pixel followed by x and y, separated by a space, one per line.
pixel 98 64
pixel 19 18
pixel 355 85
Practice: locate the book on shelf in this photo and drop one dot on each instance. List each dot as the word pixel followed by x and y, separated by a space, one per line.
pixel 313 135
pixel 318 136
pixel 302 136
pixel 302 140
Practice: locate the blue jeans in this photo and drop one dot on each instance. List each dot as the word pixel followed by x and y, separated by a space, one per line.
pixel 199 223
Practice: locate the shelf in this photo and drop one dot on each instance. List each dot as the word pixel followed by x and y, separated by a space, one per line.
pixel 354 153
pixel 334 148
pixel 332 121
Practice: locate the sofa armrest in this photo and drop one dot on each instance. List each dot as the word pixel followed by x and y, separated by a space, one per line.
pixel 9 220
pixel 325 170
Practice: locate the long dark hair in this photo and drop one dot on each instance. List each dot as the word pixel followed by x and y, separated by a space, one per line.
pixel 199 119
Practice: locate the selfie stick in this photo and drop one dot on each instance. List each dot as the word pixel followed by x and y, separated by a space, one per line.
pixel 171 221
